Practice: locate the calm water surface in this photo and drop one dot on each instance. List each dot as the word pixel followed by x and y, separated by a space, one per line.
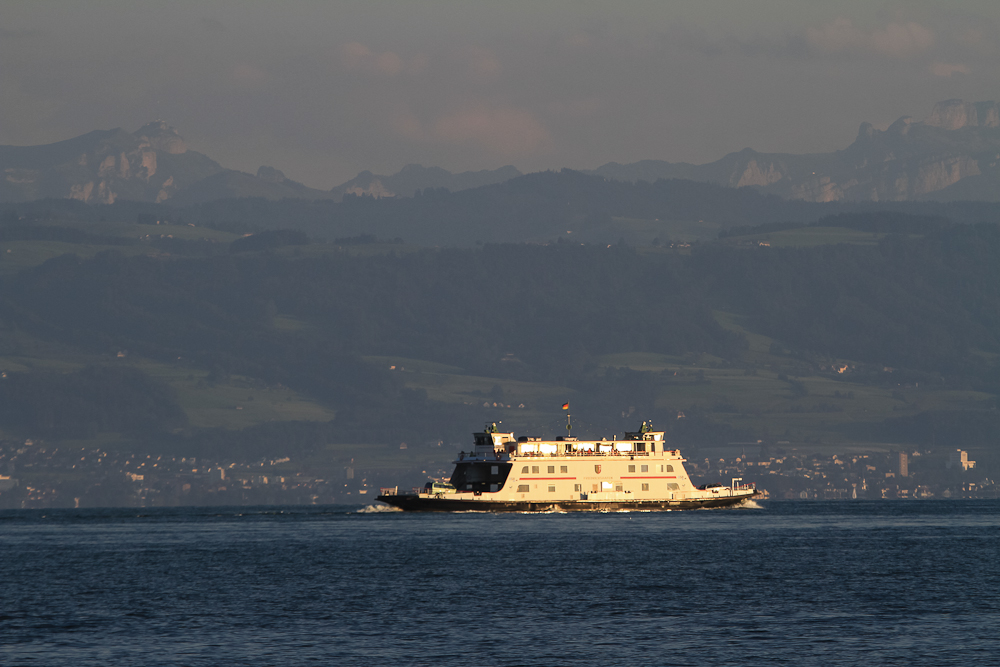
pixel 796 583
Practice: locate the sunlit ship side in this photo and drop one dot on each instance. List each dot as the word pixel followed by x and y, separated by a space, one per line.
pixel 507 474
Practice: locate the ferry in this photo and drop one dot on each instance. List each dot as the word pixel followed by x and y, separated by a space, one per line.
pixel 507 474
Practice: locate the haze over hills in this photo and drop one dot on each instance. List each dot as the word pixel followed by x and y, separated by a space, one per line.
pixel 951 155
pixel 154 164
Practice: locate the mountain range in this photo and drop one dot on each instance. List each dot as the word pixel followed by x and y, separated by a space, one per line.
pixel 415 177
pixel 153 164
pixel 953 154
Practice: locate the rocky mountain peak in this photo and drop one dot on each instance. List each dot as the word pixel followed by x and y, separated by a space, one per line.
pixel 955 114
pixel 865 132
pixel 419 170
pixel 162 137
pixel 271 175
pixel 902 125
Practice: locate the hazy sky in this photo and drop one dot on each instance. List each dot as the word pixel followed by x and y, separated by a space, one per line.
pixel 323 90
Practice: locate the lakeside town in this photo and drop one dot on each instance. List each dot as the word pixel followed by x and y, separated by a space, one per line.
pixel 897 474
pixel 35 475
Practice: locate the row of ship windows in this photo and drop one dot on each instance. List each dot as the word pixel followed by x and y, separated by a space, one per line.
pixel 631 468
pixel 552 469
pixel 525 488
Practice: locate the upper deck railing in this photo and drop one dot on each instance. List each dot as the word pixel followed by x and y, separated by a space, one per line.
pixel 588 452
pixel 501 455
pixel 494 445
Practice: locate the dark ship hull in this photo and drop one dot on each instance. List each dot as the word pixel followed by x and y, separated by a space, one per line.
pixel 416 503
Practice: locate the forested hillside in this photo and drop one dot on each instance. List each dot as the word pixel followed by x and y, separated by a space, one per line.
pixel 536 208
pixel 861 330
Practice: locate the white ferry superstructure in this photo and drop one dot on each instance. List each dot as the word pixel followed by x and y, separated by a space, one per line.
pixel 507 474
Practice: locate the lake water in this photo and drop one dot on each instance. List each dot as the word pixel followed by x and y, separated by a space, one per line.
pixel 796 583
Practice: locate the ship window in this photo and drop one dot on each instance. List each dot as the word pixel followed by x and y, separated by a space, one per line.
pixel 524 470
pixel 644 468
pixel 596 488
pixel 618 487
pixel 670 468
pixel 495 470
pixel 578 487
pixel 563 469
pixel 672 486
pixel 645 487
pixel 552 469
pixel 522 488
pixel 631 468
pixel 661 469
pixel 493 488
pixel 552 488
pixel 534 469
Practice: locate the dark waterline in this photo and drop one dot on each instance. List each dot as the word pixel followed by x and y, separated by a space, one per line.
pixel 797 583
